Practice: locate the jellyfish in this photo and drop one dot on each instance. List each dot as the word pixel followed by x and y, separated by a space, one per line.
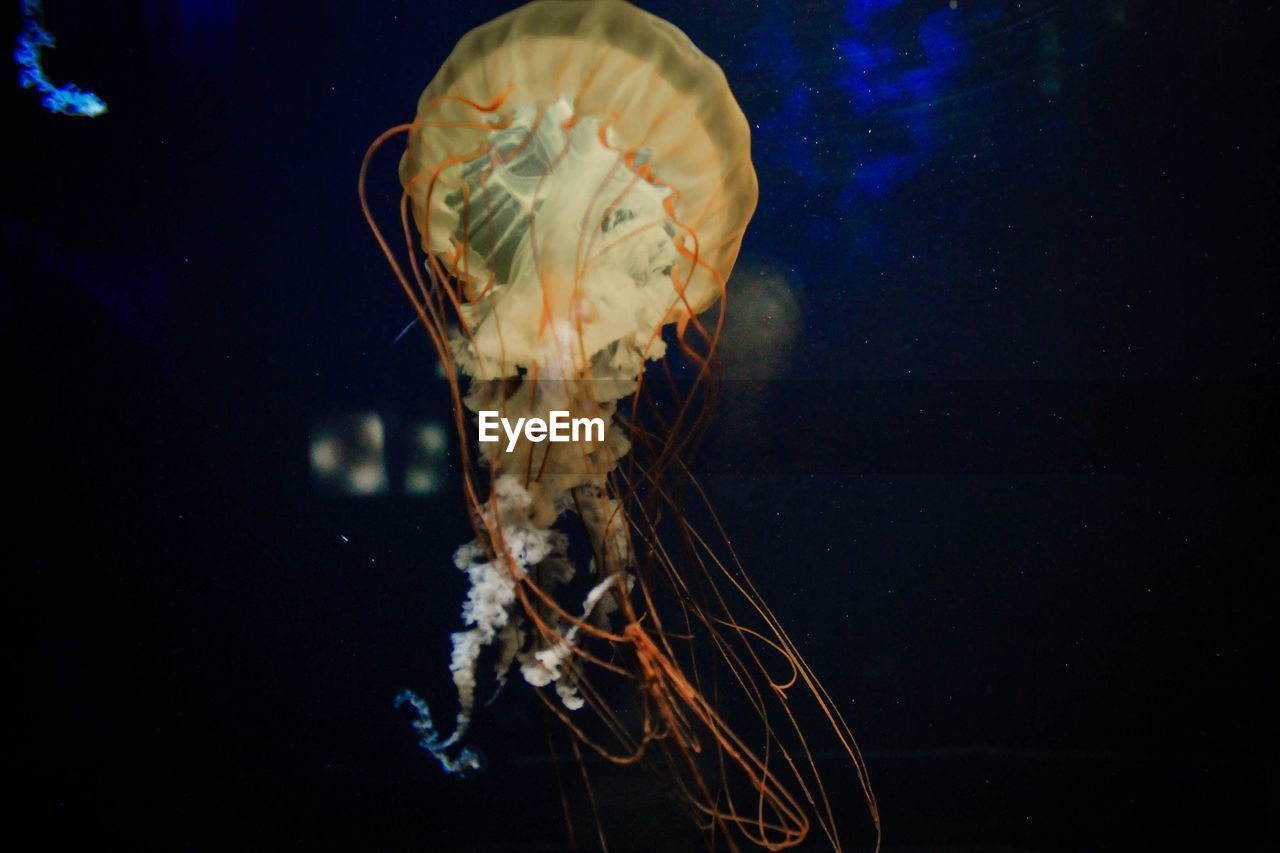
pixel 67 99
pixel 576 186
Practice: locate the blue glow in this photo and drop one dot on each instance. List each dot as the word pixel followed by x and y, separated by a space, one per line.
pixel 860 12
pixel 68 99
pixel 860 112
pixel 897 85
pixel 466 761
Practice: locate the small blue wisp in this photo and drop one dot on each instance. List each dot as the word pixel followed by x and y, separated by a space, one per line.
pixel 466 762
pixel 68 99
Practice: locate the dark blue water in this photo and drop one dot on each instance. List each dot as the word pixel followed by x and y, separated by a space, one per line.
pixel 1008 477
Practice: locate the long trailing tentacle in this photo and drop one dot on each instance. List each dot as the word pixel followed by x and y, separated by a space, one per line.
pixel 691 638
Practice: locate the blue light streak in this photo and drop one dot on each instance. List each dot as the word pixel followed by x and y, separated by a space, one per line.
pixel 68 99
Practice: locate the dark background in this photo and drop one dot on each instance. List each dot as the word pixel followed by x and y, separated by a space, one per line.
pixel 1013 493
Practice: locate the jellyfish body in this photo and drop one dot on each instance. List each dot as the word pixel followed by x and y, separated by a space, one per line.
pixel 67 99
pixel 580 179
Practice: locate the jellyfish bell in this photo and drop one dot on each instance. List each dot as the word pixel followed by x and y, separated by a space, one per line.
pixel 583 172
pixel 603 114
pixel 579 178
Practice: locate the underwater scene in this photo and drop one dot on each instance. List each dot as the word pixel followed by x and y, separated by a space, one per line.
pixel 659 426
